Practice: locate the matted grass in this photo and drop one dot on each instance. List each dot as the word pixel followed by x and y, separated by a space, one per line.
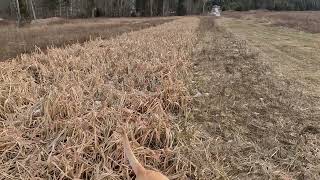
pixel 59 110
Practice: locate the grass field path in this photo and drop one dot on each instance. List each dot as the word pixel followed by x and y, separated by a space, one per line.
pixel 292 53
pixel 256 123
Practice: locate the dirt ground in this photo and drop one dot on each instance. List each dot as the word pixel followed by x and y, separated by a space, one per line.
pixel 14 41
pixel 260 125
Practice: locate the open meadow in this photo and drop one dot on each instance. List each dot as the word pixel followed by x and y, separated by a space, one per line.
pixel 235 97
pixel 301 20
pixel 14 41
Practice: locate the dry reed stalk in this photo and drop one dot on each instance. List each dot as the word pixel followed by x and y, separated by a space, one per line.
pixel 59 111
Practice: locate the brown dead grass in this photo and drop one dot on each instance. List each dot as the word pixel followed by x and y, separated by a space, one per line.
pixel 59 110
pixel 48 21
pixel 255 124
pixel 293 54
pixel 5 23
pixel 308 21
pixel 14 41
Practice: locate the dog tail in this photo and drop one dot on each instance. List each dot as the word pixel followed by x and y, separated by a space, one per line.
pixel 135 164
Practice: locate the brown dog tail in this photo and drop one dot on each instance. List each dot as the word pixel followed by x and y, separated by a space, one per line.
pixel 135 164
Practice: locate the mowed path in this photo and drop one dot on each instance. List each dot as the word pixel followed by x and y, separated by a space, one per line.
pixel 291 53
pixel 258 112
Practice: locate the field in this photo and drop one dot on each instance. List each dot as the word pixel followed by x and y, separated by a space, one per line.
pixel 301 20
pixel 201 97
pixel 14 41
pixel 259 103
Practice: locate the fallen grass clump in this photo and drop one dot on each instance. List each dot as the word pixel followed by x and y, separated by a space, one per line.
pixel 59 111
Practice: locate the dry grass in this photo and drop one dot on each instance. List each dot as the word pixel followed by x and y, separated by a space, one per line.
pixel 49 21
pixel 59 110
pixel 248 119
pixel 301 20
pixel 293 54
pixel 14 41
pixel 256 124
pixel 6 23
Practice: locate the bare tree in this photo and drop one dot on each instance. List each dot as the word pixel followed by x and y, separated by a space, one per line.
pixel 18 12
pixel 32 8
pixel 204 5
pixel 151 6
pixel 164 7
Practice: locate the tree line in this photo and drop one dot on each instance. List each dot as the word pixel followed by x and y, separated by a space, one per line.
pixel 108 8
pixel 291 5
pixel 116 8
